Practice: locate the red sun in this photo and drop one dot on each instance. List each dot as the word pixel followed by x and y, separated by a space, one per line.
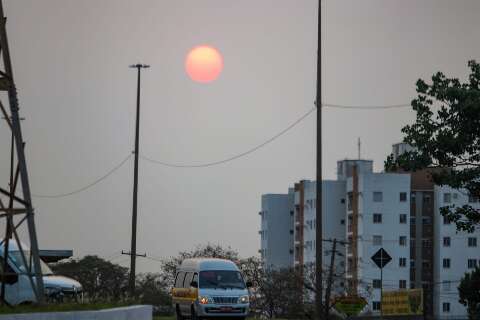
pixel 203 64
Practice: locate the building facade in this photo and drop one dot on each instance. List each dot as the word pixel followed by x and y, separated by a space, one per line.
pixel 366 211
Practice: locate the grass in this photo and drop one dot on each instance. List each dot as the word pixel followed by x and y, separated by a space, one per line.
pixel 60 307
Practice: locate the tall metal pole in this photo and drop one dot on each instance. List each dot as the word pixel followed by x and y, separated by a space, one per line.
pixel 330 280
pixel 133 250
pixel 7 84
pixel 319 224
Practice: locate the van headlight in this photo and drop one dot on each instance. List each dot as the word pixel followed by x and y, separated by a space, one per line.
pixel 244 299
pixel 205 300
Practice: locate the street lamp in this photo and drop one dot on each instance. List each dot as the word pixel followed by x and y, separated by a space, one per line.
pixel 133 250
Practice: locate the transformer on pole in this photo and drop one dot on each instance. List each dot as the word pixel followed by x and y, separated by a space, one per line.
pixel 16 207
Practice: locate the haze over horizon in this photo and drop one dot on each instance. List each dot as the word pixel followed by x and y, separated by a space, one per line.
pixel 77 94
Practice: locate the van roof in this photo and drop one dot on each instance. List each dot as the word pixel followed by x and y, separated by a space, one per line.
pixel 199 264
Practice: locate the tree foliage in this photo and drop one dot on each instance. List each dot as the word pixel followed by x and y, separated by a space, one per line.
pixel 469 293
pixel 446 139
pixel 101 279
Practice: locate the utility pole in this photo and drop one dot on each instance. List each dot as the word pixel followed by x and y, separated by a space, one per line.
pixel 319 224
pixel 133 250
pixel 330 280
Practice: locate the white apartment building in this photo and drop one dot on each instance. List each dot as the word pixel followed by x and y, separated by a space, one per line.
pixel 383 211
pixel 333 225
pixel 399 212
pixel 455 254
pixel 276 231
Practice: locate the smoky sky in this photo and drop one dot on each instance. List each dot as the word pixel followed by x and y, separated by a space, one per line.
pixel 77 95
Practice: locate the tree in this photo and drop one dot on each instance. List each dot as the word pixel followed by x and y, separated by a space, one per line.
pixel 201 251
pixel 101 279
pixel 152 289
pixel 469 293
pixel 446 139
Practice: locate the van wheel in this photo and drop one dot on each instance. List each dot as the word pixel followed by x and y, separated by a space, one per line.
pixel 178 313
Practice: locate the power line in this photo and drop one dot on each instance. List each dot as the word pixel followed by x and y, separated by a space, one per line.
pixel 111 171
pixel 245 153
pixel 365 107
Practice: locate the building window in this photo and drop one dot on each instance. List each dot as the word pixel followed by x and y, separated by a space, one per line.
pixel 446 286
pixel 472 263
pixel 376 284
pixel 403 218
pixel 447 197
pixel 455 196
pixel 377 240
pixel 376 305
pixel 402 284
pixel 291 213
pixel 350 200
pixel 472 198
pixel 291 231
pixel 402 241
pixel 377 196
pixel 446 307
pixel 342 200
pixel 427 221
pixel 342 221
pixel 446 241
pixel 403 196
pixel 446 263
pixel 412 220
pixel 377 218
pixel 402 262
pixel 446 220
pixel 472 242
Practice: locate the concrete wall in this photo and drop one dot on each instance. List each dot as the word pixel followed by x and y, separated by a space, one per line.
pixel 125 313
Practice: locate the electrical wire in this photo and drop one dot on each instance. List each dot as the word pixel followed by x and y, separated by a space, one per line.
pixel 237 156
pixel 61 195
pixel 373 107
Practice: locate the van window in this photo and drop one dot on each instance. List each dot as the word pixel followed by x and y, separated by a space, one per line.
pixel 179 279
pixel 195 277
pixel 188 280
pixel 221 279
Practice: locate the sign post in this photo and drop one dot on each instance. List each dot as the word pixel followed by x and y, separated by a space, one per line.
pixel 381 259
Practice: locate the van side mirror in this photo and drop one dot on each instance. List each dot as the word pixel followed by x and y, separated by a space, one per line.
pixel 194 284
pixel 249 284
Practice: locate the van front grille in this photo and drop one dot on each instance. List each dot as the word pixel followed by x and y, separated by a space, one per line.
pixel 225 300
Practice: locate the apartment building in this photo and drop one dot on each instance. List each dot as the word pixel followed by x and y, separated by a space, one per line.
pixel 455 253
pixel 399 212
pixel 333 225
pixel 276 231
pixel 378 207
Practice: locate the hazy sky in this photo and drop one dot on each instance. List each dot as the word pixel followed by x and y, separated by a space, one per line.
pixel 78 97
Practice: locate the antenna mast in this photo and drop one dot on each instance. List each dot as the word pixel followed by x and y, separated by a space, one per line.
pixel 16 209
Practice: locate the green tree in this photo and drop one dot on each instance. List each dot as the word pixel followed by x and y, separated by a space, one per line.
pixel 446 139
pixel 152 289
pixel 101 279
pixel 469 293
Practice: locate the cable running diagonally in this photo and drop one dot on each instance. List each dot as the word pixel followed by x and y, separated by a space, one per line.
pixel 110 172
pixel 249 151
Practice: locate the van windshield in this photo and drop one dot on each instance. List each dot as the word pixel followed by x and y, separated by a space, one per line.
pixel 221 279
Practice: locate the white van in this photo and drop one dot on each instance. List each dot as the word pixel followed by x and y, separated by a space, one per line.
pixel 18 288
pixel 210 288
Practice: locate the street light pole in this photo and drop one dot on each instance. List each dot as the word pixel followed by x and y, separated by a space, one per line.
pixel 319 225
pixel 133 250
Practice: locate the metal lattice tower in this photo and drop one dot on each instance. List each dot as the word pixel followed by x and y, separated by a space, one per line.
pixel 17 210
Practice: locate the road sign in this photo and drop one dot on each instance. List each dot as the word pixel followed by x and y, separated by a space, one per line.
pixel 350 305
pixel 402 302
pixel 381 258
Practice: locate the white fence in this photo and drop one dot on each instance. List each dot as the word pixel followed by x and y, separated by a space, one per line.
pixel 125 313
